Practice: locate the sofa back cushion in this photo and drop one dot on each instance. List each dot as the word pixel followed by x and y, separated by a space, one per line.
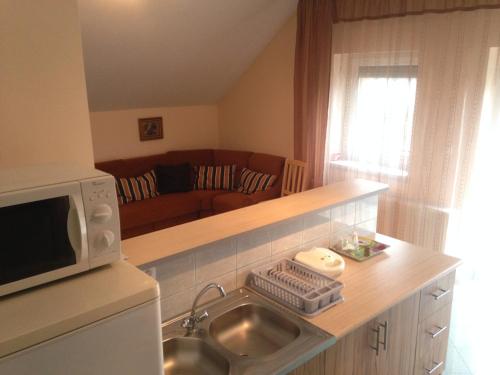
pixel 193 157
pixel 130 167
pixel 266 163
pixel 140 165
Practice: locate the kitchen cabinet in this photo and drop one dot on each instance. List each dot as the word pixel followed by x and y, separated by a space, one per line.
pixel 432 343
pixel 409 338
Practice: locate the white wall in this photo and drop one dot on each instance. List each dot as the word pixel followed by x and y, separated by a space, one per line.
pixel 116 135
pixel 257 113
pixel 43 100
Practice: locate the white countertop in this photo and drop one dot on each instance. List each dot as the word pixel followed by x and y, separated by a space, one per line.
pixel 39 314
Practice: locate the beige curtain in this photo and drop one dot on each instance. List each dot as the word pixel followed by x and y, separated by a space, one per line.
pixel 350 10
pixel 406 108
pixel 312 83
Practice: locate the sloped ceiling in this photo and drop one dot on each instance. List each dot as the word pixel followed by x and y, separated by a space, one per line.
pixel 148 53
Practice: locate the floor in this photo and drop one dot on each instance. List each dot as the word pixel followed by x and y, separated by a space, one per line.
pixel 474 331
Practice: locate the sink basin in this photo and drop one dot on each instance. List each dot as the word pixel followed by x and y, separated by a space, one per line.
pixel 188 355
pixel 251 330
pixel 243 334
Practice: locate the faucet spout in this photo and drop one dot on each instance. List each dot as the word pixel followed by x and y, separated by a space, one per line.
pixel 190 322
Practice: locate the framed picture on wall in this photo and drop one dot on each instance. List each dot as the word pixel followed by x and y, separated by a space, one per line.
pixel 150 128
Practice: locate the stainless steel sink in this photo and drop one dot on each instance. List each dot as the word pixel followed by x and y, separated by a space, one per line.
pixel 252 330
pixel 187 355
pixel 244 333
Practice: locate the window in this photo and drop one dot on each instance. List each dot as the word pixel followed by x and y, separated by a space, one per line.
pixel 377 128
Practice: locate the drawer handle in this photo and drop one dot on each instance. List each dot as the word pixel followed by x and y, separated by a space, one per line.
pixel 386 328
pixel 384 325
pixel 440 293
pixel 377 340
pixel 438 332
pixel 436 366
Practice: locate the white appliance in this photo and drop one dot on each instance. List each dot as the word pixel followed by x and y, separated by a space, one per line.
pixel 128 343
pixel 106 321
pixel 322 260
pixel 55 221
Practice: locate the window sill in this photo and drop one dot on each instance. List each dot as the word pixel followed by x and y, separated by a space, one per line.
pixel 370 168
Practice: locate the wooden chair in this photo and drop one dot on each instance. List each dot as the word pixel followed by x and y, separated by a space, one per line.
pixel 294 177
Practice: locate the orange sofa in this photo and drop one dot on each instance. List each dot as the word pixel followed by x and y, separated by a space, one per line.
pixel 167 210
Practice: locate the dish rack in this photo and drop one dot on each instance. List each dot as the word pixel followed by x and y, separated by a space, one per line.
pixel 298 287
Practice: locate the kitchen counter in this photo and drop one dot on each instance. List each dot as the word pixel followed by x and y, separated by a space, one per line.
pixel 373 286
pixel 42 313
pixel 164 243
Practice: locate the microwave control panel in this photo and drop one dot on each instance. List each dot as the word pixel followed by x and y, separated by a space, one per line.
pixel 103 220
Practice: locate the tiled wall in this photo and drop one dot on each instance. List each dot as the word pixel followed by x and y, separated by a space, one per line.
pixel 228 262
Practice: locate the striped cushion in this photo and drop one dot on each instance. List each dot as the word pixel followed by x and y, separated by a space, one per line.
pixel 131 189
pixel 219 177
pixel 252 181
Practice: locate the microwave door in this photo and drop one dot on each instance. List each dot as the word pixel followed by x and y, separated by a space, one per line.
pixel 76 228
pixel 43 237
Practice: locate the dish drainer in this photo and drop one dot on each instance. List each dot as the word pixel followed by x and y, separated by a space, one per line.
pixel 298 287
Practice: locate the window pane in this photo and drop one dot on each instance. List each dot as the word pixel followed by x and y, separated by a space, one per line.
pixel 380 130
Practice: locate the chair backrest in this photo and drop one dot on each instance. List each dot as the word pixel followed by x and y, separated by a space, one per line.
pixel 294 177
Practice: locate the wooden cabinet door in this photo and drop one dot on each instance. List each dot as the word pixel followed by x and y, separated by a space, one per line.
pixel 354 354
pixel 351 355
pixel 399 356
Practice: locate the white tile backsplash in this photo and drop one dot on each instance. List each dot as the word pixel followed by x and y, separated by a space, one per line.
pixel 176 304
pixel 343 216
pixel 215 259
pixel 290 253
pixel 366 209
pixel 177 274
pixel 369 225
pixel 242 273
pixel 228 282
pixel 252 247
pixel 228 262
pixel 316 224
pixel 286 235
pixel 318 242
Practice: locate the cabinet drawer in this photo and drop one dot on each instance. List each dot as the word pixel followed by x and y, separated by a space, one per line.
pixel 436 296
pixel 432 342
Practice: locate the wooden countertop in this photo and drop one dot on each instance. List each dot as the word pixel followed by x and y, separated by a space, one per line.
pixel 39 314
pixel 374 286
pixel 167 242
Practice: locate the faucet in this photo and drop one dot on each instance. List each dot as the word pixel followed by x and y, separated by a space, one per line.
pixel 192 319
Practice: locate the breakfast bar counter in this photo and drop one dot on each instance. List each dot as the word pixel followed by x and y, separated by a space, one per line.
pixel 171 241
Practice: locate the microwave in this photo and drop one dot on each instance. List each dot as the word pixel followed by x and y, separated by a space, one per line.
pixel 55 221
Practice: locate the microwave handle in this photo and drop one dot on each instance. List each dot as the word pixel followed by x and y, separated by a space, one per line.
pixel 77 229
